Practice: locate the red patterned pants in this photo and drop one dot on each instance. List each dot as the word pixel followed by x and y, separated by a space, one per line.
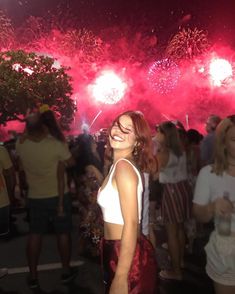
pixel 143 273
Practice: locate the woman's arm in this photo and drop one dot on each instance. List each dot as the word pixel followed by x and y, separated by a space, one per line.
pixel 204 213
pixel 126 181
pixel 10 179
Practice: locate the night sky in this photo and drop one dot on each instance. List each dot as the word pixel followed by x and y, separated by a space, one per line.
pixel 162 17
pixel 133 34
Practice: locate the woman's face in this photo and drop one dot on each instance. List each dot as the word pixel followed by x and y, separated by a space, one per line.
pixel 230 142
pixel 161 139
pixel 123 137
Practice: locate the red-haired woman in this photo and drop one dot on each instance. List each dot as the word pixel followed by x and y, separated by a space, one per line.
pixel 128 257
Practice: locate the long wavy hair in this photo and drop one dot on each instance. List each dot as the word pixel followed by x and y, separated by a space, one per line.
pixel 143 152
pixel 220 156
pixel 173 142
pixel 49 120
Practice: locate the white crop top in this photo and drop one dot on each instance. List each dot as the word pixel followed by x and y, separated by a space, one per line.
pixel 108 198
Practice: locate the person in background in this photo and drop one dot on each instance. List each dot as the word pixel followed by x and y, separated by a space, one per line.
pixel 7 187
pixel 145 219
pixel 39 156
pixel 214 199
pixel 49 120
pixel 207 143
pixel 128 257
pixel 91 222
pixel 10 147
pixel 193 155
pixel 155 196
pixel 176 198
pixel 80 153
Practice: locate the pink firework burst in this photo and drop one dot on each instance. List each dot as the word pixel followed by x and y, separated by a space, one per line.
pixel 163 76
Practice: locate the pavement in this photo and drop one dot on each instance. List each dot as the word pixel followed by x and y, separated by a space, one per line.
pixel 13 256
pixel 89 275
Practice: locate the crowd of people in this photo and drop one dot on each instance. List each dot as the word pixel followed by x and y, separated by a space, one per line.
pixel 118 182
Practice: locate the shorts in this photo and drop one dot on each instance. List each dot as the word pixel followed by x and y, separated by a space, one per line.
pixel 43 215
pixel 220 253
pixel 176 203
pixel 4 220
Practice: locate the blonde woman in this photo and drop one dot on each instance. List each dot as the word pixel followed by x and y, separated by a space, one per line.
pixel 214 199
pixel 176 198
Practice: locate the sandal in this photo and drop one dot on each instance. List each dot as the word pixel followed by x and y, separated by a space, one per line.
pixel 170 275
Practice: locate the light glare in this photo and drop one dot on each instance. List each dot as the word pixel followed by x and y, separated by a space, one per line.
pixel 108 88
pixel 220 70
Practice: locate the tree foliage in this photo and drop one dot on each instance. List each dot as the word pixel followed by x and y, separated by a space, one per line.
pixel 28 80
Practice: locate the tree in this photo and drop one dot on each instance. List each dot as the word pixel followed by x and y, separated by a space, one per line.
pixel 28 80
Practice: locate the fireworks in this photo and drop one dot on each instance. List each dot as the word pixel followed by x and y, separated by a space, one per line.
pixel 108 88
pixel 83 43
pixel 60 33
pixel 220 70
pixel 163 76
pixel 6 31
pixel 187 44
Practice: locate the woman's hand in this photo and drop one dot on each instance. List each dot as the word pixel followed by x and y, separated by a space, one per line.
pixel 223 206
pixel 119 285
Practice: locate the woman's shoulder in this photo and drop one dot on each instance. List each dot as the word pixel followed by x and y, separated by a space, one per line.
pixel 124 162
pixel 207 171
pixel 126 167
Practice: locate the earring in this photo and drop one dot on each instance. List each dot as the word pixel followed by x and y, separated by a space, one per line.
pixel 135 152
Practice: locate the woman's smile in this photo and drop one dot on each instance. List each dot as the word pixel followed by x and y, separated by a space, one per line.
pixel 117 138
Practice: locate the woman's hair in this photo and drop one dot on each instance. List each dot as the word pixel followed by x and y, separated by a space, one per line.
pixel 173 142
pixel 48 119
pixel 220 155
pixel 33 124
pixel 143 151
pixel 85 155
pixel 194 137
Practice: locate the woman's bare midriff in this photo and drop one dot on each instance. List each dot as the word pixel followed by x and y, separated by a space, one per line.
pixel 114 231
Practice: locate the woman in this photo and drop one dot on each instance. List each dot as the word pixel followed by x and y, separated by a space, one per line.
pixel 175 205
pixel 214 199
pixel 128 258
pixel 91 222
